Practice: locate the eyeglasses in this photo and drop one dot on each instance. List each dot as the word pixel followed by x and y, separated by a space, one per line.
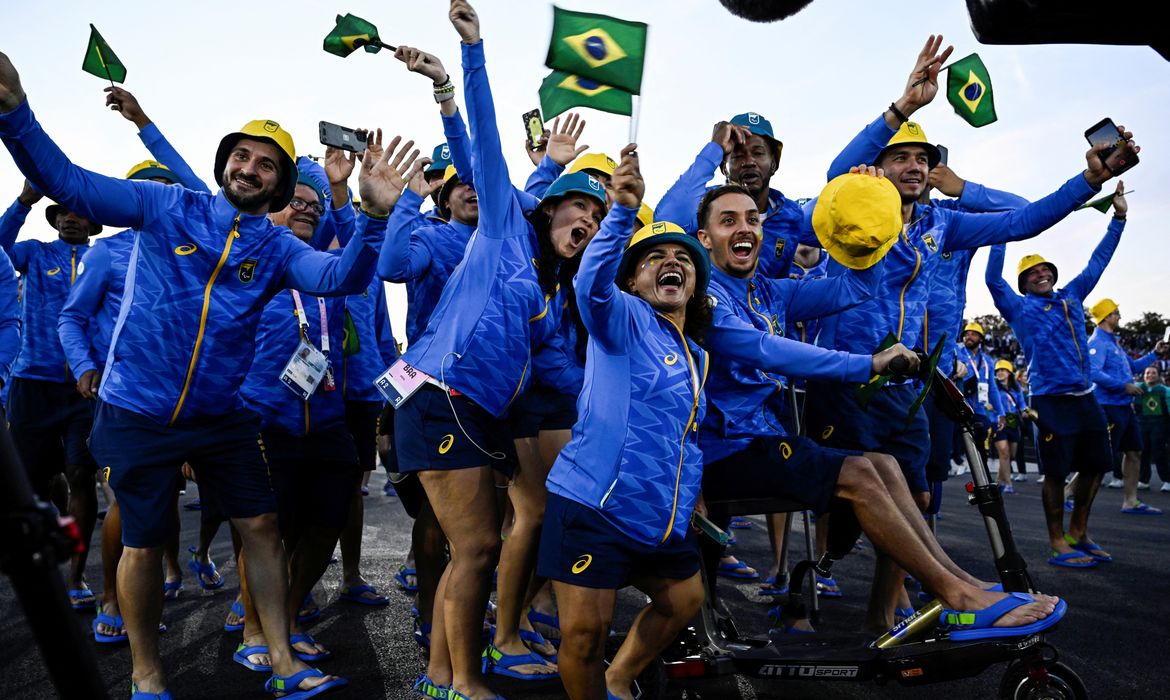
pixel 299 204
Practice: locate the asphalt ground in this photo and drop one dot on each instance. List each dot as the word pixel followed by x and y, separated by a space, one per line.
pixel 1115 634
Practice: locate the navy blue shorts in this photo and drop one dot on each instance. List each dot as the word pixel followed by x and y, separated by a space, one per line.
pixel 1072 435
pixel 427 435
pixel 777 467
pixel 580 547
pixel 50 424
pixel 361 419
pixel 141 460
pixel 314 477
pixel 942 437
pixel 540 409
pixel 835 419
pixel 1009 434
pixel 1124 433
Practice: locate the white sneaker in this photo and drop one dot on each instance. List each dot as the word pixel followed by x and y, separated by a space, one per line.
pixel 1143 486
pixel 1115 483
pixel 1165 487
pixel 1040 479
pixel 1019 477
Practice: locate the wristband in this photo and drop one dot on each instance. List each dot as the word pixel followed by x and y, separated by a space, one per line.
pixel 445 91
pixel 378 217
pixel 902 118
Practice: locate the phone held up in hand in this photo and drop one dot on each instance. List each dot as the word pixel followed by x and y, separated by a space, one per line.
pixel 533 129
pixel 1119 156
pixel 353 140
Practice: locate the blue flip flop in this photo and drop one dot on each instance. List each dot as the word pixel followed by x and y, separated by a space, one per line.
pixel 978 624
pixel 738 570
pixel 242 654
pixel 304 655
pixel 238 609
pixel 115 621
pixel 193 505
pixel 823 587
pixel 739 523
pixel 534 637
pixel 314 610
pixel 773 588
pixel 550 621
pixel 498 663
pixel 287 685
pixel 136 694
pixel 1091 548
pixel 400 577
pixel 82 599
pixel 427 688
pixel 1140 508
pixel 776 618
pixel 204 572
pixel 171 589
pixel 1057 559
pixel 353 594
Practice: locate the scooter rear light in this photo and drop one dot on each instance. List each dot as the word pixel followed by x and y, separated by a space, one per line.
pixel 687 668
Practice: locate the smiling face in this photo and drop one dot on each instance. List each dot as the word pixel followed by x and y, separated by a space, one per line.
pixel 752 164
pixel 573 221
pixel 664 277
pixel 464 204
pixel 1039 279
pixel 252 175
pixel 972 340
pixel 71 228
pixel 1002 375
pixel 301 214
pixel 907 167
pixel 1152 375
pixel 732 232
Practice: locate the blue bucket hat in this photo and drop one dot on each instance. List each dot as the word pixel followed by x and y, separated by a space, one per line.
pixel 756 124
pixel 148 169
pixel 440 159
pixel 580 182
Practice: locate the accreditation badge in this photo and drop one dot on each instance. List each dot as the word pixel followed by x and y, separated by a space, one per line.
pixel 305 370
pixel 400 382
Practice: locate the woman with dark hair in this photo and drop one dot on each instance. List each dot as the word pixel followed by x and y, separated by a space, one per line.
pixel 459 379
pixel 1007 441
pixel 622 491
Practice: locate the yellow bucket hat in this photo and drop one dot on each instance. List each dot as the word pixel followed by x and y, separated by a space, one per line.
pixel 645 216
pixel 1102 309
pixel 597 162
pixel 912 133
pixel 978 328
pixel 271 132
pixel 1004 364
pixel 1027 263
pixel 148 169
pixel 857 218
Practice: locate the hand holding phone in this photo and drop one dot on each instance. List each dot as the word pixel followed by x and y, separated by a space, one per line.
pixel 533 129
pixel 353 140
pixel 1119 154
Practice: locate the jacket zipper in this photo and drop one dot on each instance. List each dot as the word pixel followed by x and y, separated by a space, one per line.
pixel 697 386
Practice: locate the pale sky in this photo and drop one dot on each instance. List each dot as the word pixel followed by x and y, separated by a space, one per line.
pixel 202 69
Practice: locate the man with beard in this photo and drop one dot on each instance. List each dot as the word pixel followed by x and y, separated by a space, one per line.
pixel 980 387
pixel 203 267
pixel 50 421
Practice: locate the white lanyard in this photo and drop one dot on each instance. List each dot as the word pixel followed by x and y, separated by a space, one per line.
pixel 303 321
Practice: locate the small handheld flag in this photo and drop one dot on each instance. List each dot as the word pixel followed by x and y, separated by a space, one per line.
pixel 599 48
pixel 351 34
pixel 100 59
pixel 969 91
pixel 1101 204
pixel 562 91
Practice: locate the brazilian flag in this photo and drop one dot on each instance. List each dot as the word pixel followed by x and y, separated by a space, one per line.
pixel 100 59
pixel 562 91
pixel 350 34
pixel 595 47
pixel 969 91
pixel 1101 204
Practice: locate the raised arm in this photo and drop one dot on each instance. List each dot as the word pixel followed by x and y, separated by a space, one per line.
pixel 85 298
pixel 404 256
pixel 560 148
pixel 680 204
pixel 815 298
pixel 1082 285
pixel 1005 298
pixel 13 219
pixel 122 101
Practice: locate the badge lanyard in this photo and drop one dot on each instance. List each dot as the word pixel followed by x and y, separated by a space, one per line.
pixel 303 323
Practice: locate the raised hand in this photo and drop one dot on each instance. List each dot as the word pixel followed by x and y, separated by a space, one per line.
pixel 1120 206
pixel 421 62
pixel 418 182
pixel 1098 173
pixel 562 145
pixel 339 165
pixel 465 21
pixel 537 154
pixel 382 179
pixel 626 186
pixel 922 85
pixel 11 92
pixel 946 181
pixel 29 196
pixel 120 100
pixel 868 170
pixel 727 135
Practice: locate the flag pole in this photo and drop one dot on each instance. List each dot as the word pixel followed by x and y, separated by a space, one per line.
pixel 636 108
pixel 103 60
pixel 920 81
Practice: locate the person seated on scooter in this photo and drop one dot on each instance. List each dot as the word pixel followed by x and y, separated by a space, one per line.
pixel 748 454
pixel 622 491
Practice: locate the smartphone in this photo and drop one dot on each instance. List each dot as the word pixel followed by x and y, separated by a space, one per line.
pixel 942 153
pixel 1166 335
pixel 343 137
pixel 1118 157
pixel 533 129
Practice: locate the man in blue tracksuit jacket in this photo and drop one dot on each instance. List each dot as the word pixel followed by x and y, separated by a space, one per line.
pixel 1071 428
pixel 1113 374
pixel 202 268
pixel 746 150
pixel 979 385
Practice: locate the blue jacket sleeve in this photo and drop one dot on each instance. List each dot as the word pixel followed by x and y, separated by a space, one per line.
pixel 85 297
pixel 974 230
pixel 605 309
pixel 1140 364
pixel 1081 285
pixel 455 131
pixel 332 274
pixel 383 332
pixel 9 316
pixel 864 147
pixel 342 222
pixel 11 223
pixel 1005 298
pixel 112 201
pixel 545 174
pixel 403 257
pixel 1097 359
pixel 978 197
pixel 165 153
pixel 732 338
pixel 815 298
pixel 995 397
pixel 680 204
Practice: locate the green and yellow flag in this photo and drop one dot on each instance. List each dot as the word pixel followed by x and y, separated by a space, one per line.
pixel 969 91
pixel 1101 204
pixel 351 34
pixel 100 59
pixel 595 47
pixel 561 91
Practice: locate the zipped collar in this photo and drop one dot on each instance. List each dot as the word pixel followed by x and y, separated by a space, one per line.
pixel 224 215
pixel 736 284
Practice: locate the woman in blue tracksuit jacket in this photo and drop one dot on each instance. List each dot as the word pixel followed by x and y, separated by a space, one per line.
pixel 622 492
pixel 474 360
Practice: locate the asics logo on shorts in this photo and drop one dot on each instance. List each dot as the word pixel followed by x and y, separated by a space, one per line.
pixel 445 445
pixel 785 450
pixel 106 475
pixel 826 433
pixel 186 249
pixel 582 563
pixel 1048 437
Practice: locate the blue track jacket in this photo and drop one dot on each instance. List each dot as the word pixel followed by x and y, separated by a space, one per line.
pixel 981 370
pixel 1051 329
pixel 9 317
pixel 1113 368
pixel 377 348
pixel 199 276
pixel 634 454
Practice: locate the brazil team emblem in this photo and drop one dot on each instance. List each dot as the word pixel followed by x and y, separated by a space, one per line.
pixel 931 244
pixel 780 249
pixel 247 270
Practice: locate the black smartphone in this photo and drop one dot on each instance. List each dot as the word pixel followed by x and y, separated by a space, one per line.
pixel 942 153
pixel 1119 156
pixel 343 137
pixel 533 129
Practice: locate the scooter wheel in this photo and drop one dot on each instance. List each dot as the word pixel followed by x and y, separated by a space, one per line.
pixel 1063 683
